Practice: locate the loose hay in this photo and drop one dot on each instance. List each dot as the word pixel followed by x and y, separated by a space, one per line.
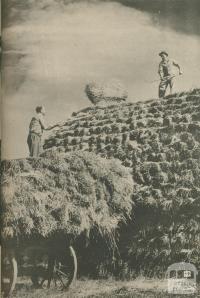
pixel 109 92
pixel 64 193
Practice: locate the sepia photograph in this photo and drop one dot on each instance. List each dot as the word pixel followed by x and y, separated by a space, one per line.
pixel 100 148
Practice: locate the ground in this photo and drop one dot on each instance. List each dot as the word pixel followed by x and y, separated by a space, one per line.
pixel 138 288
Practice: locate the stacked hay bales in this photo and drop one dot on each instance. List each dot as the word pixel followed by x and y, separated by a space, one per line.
pixel 159 140
pixel 70 194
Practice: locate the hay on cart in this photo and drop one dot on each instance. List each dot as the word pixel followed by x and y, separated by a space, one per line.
pixel 69 193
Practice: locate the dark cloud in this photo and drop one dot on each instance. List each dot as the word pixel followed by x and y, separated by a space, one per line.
pixel 12 12
pixel 180 15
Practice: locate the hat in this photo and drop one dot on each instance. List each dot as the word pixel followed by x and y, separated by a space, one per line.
pixel 163 52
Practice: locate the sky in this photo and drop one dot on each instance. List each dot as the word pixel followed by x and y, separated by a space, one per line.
pixel 53 48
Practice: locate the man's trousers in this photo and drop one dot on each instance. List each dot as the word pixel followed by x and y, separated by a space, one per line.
pixel 34 144
pixel 163 86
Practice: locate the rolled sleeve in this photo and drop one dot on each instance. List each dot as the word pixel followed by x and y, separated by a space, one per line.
pixel 175 63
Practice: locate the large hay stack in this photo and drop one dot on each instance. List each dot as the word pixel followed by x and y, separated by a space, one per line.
pixel 159 141
pixel 64 193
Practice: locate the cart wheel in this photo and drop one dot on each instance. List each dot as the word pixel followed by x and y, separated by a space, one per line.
pixel 8 274
pixel 58 270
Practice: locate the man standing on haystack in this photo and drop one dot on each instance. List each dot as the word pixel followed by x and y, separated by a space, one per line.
pixel 36 128
pixel 167 74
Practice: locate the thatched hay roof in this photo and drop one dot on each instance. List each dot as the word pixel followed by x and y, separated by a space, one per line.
pixel 67 193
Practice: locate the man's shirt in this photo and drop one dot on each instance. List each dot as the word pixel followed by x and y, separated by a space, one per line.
pixel 37 124
pixel 166 68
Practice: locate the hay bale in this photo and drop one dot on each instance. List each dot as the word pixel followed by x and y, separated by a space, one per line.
pixel 64 193
pixel 109 92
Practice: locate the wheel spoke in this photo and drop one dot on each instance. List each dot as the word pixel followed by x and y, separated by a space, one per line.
pixel 61 280
pixel 42 281
pixel 61 272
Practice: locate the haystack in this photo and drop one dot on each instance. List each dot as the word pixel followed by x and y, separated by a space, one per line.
pixel 64 193
pixel 159 140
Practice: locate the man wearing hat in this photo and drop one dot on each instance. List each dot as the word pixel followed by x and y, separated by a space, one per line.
pixel 166 72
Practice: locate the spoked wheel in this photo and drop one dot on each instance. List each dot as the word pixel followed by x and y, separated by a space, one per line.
pixel 58 270
pixel 8 274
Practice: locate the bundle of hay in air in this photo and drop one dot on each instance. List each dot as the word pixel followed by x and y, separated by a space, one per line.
pixel 110 92
pixel 64 193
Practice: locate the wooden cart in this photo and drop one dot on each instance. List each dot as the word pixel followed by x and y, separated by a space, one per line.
pixel 48 263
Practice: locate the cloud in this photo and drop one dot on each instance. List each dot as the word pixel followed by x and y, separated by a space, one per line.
pixel 56 49
pixel 179 15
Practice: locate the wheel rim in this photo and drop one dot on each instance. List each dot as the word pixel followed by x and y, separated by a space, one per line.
pixel 65 269
pixel 9 274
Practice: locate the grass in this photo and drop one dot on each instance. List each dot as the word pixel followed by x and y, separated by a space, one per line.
pixel 138 288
